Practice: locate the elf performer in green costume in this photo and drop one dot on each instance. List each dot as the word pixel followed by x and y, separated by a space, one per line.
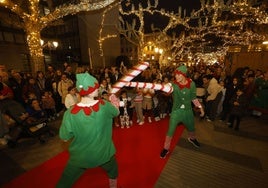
pixel 89 126
pixel 184 93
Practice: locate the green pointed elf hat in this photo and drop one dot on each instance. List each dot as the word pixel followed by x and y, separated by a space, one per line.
pixel 86 84
pixel 181 70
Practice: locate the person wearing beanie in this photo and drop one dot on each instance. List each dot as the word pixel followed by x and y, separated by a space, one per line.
pixel 184 93
pixel 88 126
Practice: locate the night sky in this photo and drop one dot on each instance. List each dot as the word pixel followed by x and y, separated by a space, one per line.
pixel 174 4
pixel 168 5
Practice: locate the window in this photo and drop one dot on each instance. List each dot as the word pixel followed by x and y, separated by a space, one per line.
pixel 8 37
pixel 19 38
pixel 1 36
pixel 25 61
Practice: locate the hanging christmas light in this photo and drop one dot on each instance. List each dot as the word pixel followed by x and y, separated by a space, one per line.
pixel 33 22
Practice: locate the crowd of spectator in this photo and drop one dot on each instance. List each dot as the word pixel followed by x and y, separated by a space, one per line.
pixel 219 90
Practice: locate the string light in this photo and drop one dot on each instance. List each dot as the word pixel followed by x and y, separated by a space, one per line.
pixel 33 22
pixel 103 38
pixel 232 22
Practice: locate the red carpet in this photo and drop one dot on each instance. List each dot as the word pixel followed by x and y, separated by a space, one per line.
pixel 138 150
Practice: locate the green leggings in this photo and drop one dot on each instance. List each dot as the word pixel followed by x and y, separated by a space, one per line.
pixel 181 116
pixel 71 173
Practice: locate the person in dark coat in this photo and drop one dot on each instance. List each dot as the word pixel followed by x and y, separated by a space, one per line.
pixel 238 105
pixel 230 92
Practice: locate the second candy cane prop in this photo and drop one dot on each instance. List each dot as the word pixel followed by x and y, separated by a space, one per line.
pixel 166 88
pixel 132 73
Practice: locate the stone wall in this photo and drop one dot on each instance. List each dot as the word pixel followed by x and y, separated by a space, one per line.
pixel 253 60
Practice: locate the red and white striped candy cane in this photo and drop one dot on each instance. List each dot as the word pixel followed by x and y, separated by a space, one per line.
pixel 166 88
pixel 132 73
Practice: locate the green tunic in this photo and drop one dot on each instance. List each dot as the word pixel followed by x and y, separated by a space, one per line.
pixel 261 98
pixel 92 143
pixel 182 107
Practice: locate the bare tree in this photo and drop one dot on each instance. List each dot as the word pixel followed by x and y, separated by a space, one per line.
pixel 33 20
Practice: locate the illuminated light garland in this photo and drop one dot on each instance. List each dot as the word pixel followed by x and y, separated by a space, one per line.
pixel 34 22
pixel 243 8
pixel 136 36
pixel 209 18
pixel 102 39
pixel 209 22
pixel 211 58
pixel 240 37
pixel 71 9
pixel 13 7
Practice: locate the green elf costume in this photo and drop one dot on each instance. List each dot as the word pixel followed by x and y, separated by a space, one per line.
pixel 89 125
pixel 184 93
pixel 260 99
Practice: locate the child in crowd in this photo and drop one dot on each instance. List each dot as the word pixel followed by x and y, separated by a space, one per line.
pixel 30 97
pixel 238 108
pixel 6 93
pixel 147 103
pixel 137 102
pixel 48 104
pixel 164 100
pixel 105 95
pixel 72 97
pixel 114 100
pixel 125 110
pixel 63 86
pixel 35 111
pixel 104 86
pixel 156 107
pixel 219 110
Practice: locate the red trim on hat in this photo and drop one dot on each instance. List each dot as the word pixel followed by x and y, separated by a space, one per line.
pixel 89 90
pixel 179 72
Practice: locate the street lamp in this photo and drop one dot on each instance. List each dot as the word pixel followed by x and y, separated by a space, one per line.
pixel 55 44
pixel 50 45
